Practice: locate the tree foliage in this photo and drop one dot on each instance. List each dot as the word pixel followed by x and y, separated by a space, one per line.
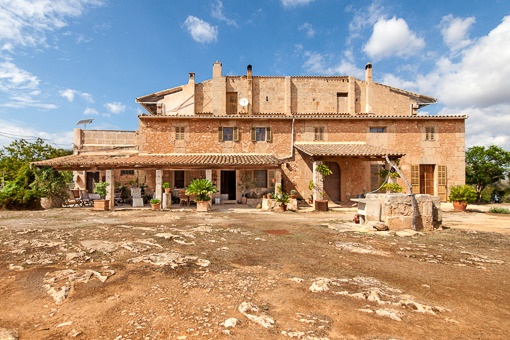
pixel 486 166
pixel 25 185
pixel 21 152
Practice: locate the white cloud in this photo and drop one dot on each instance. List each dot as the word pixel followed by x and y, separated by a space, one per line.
pixel 115 107
pixel 217 12
pixel 393 38
pixel 69 94
pixel 455 31
pixel 12 77
pixel 364 17
pixel 201 31
pixel 481 77
pixel 90 111
pixel 26 22
pixel 295 3
pixel 308 28
pixel 324 64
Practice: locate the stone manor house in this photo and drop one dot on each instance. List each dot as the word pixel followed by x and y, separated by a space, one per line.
pixel 276 130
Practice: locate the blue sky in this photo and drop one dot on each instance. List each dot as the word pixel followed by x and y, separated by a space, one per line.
pixel 62 61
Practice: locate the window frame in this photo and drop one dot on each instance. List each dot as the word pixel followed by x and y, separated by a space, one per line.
pixel 318 133
pixel 430 133
pixel 221 134
pixel 179 132
pixel 266 135
pixel 377 129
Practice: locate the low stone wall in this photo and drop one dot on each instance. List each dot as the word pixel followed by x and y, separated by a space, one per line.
pixel 270 204
pixel 396 211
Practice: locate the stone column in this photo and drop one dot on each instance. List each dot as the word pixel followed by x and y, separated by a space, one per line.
pixel 110 190
pixel 278 179
pixel 318 182
pixel 159 183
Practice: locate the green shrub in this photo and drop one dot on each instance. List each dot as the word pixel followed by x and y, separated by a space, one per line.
pixel 499 211
pixel 201 187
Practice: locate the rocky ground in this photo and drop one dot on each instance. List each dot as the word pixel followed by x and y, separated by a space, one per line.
pixel 243 274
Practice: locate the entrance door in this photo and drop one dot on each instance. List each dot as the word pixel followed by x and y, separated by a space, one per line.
pixel 92 179
pixel 427 179
pixel 228 183
pixel 332 182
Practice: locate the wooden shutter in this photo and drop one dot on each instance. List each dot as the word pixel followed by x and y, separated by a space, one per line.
pixel 441 182
pixel 268 134
pixel 415 178
pixel 220 134
pixel 253 134
pixel 236 134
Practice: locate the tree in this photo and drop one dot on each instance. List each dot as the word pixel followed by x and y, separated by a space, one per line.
pixel 21 152
pixel 486 166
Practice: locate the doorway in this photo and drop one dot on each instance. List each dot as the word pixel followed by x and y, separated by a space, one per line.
pixel 427 179
pixel 332 182
pixel 228 184
pixel 92 179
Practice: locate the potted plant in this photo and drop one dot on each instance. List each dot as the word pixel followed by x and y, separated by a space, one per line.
pixel 202 189
pixel 155 204
pixel 461 195
pixel 392 187
pixel 293 193
pixel 166 186
pixel 100 189
pixel 311 186
pixel 51 187
pixel 282 199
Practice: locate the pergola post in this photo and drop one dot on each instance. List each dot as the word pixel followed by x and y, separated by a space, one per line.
pixel 110 189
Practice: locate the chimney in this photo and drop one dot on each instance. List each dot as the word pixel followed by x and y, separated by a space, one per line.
pixel 368 72
pixel 216 69
pixel 368 79
pixel 249 72
pixel 191 78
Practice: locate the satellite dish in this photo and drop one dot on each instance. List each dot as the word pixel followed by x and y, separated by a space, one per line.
pixel 243 102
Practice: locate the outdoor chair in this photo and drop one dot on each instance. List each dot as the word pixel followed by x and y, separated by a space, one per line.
pixel 85 199
pixel 71 200
pixel 183 198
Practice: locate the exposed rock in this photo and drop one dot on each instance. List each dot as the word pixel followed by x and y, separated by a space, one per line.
pixel 8 334
pixel 320 285
pixel 250 310
pixel 230 322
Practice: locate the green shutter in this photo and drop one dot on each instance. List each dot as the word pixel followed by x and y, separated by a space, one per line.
pixel 236 134
pixel 268 134
pixel 253 134
pixel 220 134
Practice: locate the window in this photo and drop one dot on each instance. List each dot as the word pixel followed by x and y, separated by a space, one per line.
pixel 261 134
pixel 226 134
pixel 430 132
pixel 179 179
pixel 179 133
pixel 319 133
pixel 260 177
pixel 127 172
pixel 231 102
pixel 378 129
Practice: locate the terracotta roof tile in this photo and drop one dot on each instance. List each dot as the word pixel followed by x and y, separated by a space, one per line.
pixel 345 149
pixel 101 161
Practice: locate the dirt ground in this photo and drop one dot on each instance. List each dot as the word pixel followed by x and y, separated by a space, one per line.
pixel 242 273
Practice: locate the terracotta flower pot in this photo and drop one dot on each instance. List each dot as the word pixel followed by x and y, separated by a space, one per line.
pixel 102 205
pixel 321 205
pixel 459 205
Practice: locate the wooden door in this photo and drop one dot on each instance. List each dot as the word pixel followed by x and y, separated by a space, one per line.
pixel 228 183
pixel 332 182
pixel 427 179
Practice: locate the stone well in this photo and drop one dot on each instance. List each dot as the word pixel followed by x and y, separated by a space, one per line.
pixel 396 211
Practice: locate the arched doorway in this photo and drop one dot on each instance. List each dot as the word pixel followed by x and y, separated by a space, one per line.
pixel 332 182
